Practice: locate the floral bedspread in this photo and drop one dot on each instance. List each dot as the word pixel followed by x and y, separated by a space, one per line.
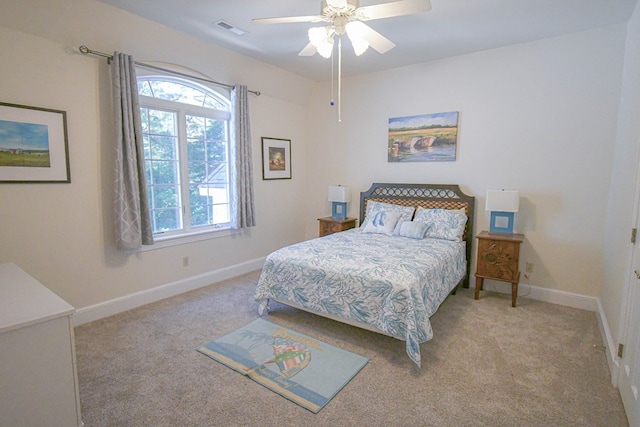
pixel 392 283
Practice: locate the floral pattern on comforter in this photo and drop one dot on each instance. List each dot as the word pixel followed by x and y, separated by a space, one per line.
pixel 392 283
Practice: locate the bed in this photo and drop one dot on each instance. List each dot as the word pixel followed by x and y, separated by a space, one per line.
pixel 389 275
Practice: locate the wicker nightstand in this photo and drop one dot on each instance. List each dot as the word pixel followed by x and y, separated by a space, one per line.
pixel 498 259
pixel 329 225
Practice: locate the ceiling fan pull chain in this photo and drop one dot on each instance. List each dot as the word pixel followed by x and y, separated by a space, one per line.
pixel 332 79
pixel 339 79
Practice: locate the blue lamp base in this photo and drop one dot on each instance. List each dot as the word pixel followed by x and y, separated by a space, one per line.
pixel 501 222
pixel 339 210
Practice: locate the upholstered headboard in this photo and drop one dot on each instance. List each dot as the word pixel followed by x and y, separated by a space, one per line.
pixel 429 196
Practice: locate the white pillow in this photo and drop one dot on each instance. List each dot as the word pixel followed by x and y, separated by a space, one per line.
pixel 383 222
pixel 443 223
pixel 375 207
pixel 411 229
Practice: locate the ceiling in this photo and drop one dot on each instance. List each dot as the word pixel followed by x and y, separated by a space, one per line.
pixel 451 28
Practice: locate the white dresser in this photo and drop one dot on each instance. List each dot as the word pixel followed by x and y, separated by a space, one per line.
pixel 38 378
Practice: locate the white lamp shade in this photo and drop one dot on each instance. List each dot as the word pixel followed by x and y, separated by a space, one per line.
pixel 503 200
pixel 338 193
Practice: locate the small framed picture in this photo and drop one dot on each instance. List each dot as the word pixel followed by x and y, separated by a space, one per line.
pixel 276 158
pixel 33 145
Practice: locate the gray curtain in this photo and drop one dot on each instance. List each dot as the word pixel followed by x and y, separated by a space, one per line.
pixel 242 204
pixel 132 217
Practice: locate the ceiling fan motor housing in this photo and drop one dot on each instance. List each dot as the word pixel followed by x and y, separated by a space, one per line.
pixel 333 8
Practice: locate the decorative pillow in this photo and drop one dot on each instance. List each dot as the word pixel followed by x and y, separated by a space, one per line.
pixel 375 207
pixel 383 222
pixel 411 229
pixel 443 223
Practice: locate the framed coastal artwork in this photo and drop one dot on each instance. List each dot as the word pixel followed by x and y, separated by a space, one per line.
pixel 33 145
pixel 423 138
pixel 276 158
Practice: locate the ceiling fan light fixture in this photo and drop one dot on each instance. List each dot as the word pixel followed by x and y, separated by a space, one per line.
pixel 357 37
pixel 360 46
pixel 322 39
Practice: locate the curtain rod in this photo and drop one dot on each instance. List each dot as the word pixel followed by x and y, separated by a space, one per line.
pixel 86 51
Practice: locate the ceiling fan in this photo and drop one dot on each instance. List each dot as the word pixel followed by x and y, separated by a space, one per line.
pixel 346 17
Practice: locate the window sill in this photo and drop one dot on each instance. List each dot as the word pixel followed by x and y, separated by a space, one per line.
pixel 183 239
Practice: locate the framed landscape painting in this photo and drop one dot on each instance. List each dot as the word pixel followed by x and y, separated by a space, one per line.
pixel 33 145
pixel 276 158
pixel 424 138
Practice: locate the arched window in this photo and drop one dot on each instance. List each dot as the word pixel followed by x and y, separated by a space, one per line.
pixel 186 150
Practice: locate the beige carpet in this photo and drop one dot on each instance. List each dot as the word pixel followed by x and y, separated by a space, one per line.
pixel 488 365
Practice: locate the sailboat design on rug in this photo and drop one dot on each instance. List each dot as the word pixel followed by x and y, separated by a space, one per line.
pixel 291 357
pixel 273 355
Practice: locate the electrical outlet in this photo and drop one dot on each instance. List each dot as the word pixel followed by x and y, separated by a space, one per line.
pixel 185 261
pixel 528 268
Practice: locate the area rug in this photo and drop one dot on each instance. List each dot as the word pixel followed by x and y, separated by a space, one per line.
pixel 305 370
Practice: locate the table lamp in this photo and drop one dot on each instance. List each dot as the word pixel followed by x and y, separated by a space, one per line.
pixel 503 204
pixel 339 196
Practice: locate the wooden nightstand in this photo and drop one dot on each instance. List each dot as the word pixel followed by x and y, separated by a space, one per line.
pixel 498 259
pixel 329 225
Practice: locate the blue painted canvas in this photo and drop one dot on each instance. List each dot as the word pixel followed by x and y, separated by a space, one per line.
pixel 305 370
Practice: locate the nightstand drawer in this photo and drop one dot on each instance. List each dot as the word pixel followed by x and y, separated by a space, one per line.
pixel 498 259
pixel 329 225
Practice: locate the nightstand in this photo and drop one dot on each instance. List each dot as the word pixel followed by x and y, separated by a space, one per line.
pixel 498 259
pixel 330 225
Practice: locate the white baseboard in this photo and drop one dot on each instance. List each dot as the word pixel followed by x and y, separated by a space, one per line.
pixel 108 308
pixel 553 296
pixel 611 348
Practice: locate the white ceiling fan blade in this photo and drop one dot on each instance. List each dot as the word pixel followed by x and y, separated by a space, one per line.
pixel 376 40
pixel 287 19
pixel 389 10
pixel 309 50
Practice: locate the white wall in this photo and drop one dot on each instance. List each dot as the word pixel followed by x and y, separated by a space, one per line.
pixel 622 191
pixel 538 117
pixel 61 233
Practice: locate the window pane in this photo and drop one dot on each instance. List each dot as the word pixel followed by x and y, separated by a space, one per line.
pixel 147 170
pixel 146 144
pixel 144 119
pixel 163 147
pixel 214 103
pixel 162 122
pixel 221 214
pixel 165 197
pixel 195 127
pixel 209 205
pixel 186 93
pixel 166 220
pixel 197 172
pixel 200 205
pixel 163 172
pixel 144 88
pixel 215 129
pixel 196 150
pixel 165 210
pixel 216 151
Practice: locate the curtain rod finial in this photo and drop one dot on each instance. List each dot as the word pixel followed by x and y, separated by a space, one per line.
pixel 84 50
